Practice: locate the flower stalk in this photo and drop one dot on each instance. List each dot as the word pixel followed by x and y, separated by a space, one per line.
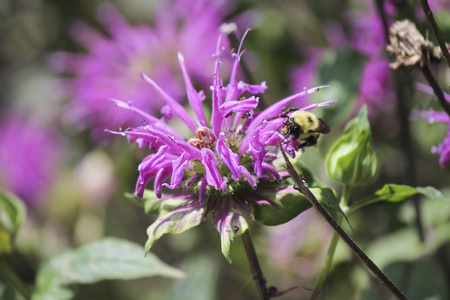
pixel 302 187
pixel 254 265
pixel 327 263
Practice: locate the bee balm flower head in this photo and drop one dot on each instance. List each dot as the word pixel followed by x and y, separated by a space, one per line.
pixel 225 163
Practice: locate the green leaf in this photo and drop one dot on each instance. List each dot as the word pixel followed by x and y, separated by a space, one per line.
pixel 398 193
pixel 175 222
pixel 12 216
pixel 308 175
pixel 110 258
pixel 170 205
pixel 351 160
pixel 201 284
pixel 327 198
pixel 154 205
pixel 291 203
pixel 149 201
pixel 431 193
pixel 231 224
pixel 53 293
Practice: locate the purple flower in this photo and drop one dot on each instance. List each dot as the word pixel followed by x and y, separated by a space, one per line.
pixel 376 87
pixel 29 155
pixel 443 150
pixel 432 116
pixel 367 34
pixel 223 165
pixel 111 67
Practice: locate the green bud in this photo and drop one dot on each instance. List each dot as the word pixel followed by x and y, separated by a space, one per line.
pixel 351 160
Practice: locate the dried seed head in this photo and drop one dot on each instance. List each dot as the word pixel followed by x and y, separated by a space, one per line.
pixel 408 47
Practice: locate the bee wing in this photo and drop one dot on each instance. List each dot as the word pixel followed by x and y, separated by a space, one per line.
pixel 323 127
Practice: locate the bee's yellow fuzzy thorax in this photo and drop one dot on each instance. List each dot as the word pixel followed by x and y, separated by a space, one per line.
pixel 308 121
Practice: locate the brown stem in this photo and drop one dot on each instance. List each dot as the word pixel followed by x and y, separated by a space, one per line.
pixel 436 88
pixel 254 265
pixel 437 32
pixel 302 187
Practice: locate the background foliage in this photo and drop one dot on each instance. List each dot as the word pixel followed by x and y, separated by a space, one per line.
pixel 85 202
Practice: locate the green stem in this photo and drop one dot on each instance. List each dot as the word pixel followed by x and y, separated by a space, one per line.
pixel 254 265
pixel 327 264
pixel 345 195
pixel 13 279
pixel 331 249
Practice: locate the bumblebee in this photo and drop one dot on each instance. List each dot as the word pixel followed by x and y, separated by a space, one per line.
pixel 304 126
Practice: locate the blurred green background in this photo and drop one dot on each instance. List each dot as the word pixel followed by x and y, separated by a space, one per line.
pixel 86 201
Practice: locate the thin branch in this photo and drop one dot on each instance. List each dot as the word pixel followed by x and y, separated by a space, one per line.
pixel 436 88
pixel 302 187
pixel 254 265
pixel 264 292
pixel 437 32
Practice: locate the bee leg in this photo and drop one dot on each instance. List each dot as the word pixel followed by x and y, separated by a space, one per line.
pixel 302 145
pixel 291 109
pixel 310 141
pixel 285 114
